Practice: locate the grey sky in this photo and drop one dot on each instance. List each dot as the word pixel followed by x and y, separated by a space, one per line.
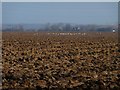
pixel 79 13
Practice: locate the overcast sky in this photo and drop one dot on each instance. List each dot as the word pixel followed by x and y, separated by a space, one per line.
pixel 78 13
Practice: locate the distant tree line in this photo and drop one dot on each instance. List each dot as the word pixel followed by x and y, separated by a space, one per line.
pixel 18 28
pixel 60 27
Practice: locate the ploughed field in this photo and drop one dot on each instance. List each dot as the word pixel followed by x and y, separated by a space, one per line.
pixel 85 61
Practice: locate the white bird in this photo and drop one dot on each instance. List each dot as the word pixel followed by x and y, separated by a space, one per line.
pixel 113 30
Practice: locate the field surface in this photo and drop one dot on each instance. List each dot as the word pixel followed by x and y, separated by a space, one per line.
pixel 85 61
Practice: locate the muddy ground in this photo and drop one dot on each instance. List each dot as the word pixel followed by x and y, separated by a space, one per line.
pixel 84 61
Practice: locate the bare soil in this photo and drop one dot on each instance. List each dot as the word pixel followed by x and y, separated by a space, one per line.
pixel 89 61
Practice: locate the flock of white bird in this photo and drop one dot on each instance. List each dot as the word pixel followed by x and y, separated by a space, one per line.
pixel 83 34
pixel 66 33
